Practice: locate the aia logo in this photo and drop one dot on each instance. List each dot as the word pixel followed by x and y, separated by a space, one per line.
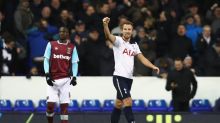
pixel 128 52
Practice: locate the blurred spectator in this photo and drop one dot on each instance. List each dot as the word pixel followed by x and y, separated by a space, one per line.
pixel 181 46
pixel 9 55
pixel 188 63
pixel 163 33
pixel 213 15
pixel 170 5
pixel 23 21
pixel 92 54
pixel 46 14
pixel 2 23
pixel 107 59
pixel 192 30
pixel 37 40
pixel 174 22
pixel 117 30
pixel 141 35
pixel 55 6
pixel 205 41
pixel 212 60
pixel 36 7
pixel 198 20
pixel 66 19
pixel 193 8
pixel 103 10
pixel 147 48
pixel 114 12
pixel 8 8
pixel 85 4
pixel 89 16
pixel 137 11
pixel 79 35
pixel 165 65
pixel 149 24
pixel 23 18
pixel 73 6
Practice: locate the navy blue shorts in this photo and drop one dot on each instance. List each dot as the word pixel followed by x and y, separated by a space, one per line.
pixel 123 87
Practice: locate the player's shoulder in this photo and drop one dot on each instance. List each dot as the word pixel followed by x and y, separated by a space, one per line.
pixel 71 43
pixel 133 42
pixel 52 42
pixel 118 38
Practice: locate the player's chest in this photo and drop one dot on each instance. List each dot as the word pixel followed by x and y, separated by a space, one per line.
pixel 62 49
pixel 128 49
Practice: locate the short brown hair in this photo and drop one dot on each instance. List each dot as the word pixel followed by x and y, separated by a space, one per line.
pixel 127 23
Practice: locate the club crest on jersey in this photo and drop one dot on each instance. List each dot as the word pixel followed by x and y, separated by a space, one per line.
pixel 128 52
pixel 68 50
pixel 56 48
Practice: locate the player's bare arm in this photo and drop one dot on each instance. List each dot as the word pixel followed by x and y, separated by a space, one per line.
pixel 108 35
pixel 147 63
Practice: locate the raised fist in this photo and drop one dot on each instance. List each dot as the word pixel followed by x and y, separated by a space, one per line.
pixel 106 20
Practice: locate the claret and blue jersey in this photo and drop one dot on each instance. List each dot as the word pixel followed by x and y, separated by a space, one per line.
pixel 60 57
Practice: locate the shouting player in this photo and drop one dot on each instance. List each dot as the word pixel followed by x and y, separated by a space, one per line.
pixel 60 67
pixel 124 53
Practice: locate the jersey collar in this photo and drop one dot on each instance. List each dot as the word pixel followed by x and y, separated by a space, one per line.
pixel 58 41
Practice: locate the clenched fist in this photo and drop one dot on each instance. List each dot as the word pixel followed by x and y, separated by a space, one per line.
pixel 106 20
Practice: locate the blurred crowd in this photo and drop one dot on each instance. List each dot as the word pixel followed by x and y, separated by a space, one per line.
pixel 164 30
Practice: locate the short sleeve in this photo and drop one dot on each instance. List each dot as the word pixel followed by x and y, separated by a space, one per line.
pixel 137 49
pixel 118 41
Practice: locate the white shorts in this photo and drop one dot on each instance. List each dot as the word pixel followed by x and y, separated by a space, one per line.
pixel 60 91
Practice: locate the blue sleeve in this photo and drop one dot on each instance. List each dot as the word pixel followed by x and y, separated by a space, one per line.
pixel 47 51
pixel 75 69
pixel 75 57
pixel 75 60
pixel 47 58
pixel 46 65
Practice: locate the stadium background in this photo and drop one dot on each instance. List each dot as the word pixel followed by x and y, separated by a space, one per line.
pixel 27 25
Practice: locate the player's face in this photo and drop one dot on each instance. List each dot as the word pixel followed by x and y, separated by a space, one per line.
pixel 178 65
pixel 63 33
pixel 127 31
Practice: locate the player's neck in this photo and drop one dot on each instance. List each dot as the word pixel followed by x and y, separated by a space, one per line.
pixel 126 39
pixel 63 41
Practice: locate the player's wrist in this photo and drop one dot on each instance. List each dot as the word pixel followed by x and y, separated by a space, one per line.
pixel 74 78
pixel 47 74
pixel 105 25
pixel 154 67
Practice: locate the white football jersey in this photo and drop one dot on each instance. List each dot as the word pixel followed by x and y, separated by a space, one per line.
pixel 124 53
